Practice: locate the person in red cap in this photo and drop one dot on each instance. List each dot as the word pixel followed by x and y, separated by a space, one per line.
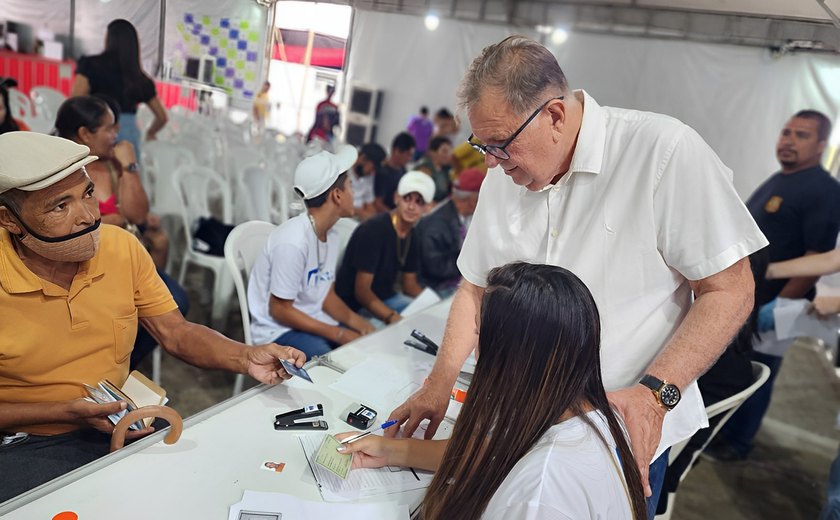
pixel 442 233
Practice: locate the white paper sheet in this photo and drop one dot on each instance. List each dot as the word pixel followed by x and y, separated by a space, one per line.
pixel 794 321
pixel 376 383
pixel 360 483
pixel 423 301
pixel 293 508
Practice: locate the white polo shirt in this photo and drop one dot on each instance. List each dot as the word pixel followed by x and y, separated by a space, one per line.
pixel 288 269
pixel 645 207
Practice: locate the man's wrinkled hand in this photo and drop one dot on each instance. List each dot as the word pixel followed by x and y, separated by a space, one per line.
pixel 643 418
pixel 95 415
pixel 264 362
pixel 427 403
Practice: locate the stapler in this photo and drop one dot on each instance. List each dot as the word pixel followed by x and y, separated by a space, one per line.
pixel 429 346
pixel 300 419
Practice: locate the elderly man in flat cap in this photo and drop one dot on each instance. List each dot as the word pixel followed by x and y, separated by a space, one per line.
pixel 72 292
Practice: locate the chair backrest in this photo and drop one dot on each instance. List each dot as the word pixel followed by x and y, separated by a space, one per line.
pixel 345 228
pixel 254 194
pixel 281 195
pixel 728 407
pixel 160 159
pixel 195 186
pixel 47 101
pixel 20 106
pixel 242 248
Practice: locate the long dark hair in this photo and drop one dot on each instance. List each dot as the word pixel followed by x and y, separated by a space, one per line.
pixel 82 111
pixel 8 124
pixel 122 49
pixel 539 343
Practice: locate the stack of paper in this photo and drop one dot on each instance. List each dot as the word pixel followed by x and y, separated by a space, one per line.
pixel 360 483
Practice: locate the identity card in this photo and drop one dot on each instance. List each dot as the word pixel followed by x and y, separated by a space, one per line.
pixel 327 457
pixel 295 371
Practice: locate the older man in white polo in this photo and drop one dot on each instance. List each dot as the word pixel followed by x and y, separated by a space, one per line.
pixel 637 205
pixel 72 291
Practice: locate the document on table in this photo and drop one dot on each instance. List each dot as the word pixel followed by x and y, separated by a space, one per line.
pixel 360 483
pixel 256 505
pixel 421 302
pixel 376 383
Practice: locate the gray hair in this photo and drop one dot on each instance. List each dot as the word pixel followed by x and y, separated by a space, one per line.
pixel 518 67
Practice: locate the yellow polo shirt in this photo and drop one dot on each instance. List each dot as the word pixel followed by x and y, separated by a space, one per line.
pixel 53 340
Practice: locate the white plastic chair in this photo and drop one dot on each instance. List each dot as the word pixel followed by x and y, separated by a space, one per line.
pixel 728 407
pixel 242 248
pixel 345 228
pixel 194 185
pixel 253 194
pixel 281 195
pixel 160 159
pixel 47 101
pixel 20 105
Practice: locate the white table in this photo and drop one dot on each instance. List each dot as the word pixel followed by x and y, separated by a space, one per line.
pixel 222 448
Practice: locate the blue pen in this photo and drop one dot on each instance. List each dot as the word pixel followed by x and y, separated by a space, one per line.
pixel 359 436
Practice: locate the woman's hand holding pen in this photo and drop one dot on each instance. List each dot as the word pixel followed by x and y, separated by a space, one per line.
pixel 372 451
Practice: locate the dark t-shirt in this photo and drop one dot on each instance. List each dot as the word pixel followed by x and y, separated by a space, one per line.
pixel 373 248
pixel 797 212
pixel 106 79
pixel 385 183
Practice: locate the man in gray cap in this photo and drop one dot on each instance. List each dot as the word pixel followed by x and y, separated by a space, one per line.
pixel 71 294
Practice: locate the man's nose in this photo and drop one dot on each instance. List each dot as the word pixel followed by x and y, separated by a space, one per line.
pixel 491 160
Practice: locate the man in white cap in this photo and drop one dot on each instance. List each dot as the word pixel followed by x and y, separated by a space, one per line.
pixel 382 248
pixel 290 291
pixel 72 291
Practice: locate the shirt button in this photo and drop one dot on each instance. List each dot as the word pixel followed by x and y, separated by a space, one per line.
pixel 554 233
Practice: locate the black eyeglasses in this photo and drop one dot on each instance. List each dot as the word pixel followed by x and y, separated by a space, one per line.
pixel 499 152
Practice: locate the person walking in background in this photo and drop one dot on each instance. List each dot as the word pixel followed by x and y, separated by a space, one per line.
pixel 118 73
pixel 421 127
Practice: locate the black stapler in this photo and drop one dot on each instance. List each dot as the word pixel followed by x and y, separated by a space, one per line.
pixel 300 419
pixel 425 344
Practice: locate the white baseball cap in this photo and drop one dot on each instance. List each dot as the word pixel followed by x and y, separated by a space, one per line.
pixel 314 175
pixel 30 161
pixel 417 181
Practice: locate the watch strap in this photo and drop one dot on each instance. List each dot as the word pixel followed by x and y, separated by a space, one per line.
pixel 652 382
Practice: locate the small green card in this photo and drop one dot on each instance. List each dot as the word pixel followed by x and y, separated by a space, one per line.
pixel 327 457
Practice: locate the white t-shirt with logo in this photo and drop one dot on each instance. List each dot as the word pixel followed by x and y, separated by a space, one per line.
pixel 569 474
pixel 288 269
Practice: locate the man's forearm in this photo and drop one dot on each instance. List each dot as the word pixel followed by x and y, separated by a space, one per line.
pixel 723 303
pixel 460 336
pixel 206 348
pixel 13 415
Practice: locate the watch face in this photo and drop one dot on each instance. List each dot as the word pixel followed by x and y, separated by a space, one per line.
pixel 669 395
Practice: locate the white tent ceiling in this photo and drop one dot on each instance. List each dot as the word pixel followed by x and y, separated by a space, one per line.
pixel 786 25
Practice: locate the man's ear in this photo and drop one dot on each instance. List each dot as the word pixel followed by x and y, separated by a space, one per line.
pixel 9 222
pixel 557 111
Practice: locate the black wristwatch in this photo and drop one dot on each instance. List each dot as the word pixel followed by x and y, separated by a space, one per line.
pixel 132 168
pixel 667 395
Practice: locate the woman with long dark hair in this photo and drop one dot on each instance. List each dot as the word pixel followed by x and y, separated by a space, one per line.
pixel 117 73
pixel 536 437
